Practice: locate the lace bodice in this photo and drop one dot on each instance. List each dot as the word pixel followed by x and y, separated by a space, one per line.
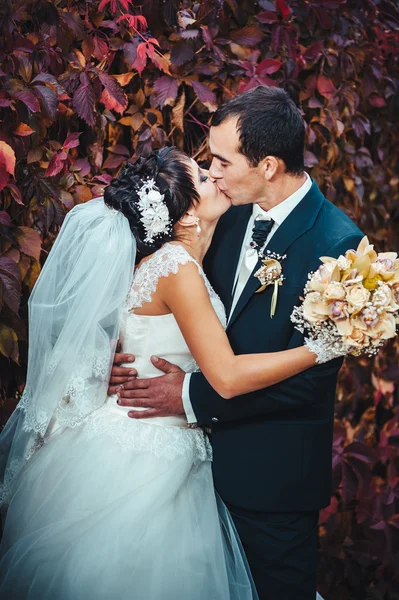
pixel 162 263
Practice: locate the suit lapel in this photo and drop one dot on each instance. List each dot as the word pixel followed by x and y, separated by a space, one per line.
pixel 300 220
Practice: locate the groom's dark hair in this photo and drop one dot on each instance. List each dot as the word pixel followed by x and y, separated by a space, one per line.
pixel 269 124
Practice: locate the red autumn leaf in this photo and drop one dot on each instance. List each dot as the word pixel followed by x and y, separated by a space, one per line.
pixel 111 103
pixel 141 58
pixel 268 66
pixel 325 86
pixel 103 4
pixel 11 283
pixel 84 101
pixel 23 130
pixel 267 17
pixel 56 163
pixel 7 157
pixel 377 101
pixel 72 140
pixel 4 177
pixel 29 99
pixel 161 62
pixel 125 3
pixel 282 8
pixel 166 89
pixel 30 242
pixel 135 21
pixel 100 48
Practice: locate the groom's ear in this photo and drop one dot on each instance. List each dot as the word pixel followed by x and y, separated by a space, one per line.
pixel 188 220
pixel 269 167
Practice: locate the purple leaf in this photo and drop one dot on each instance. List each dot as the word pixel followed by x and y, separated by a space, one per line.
pixel 267 17
pixel 119 149
pixel 113 161
pixel 72 140
pixel 30 242
pixel 268 66
pixel 11 280
pixel 83 166
pixel 5 218
pixel 205 95
pixel 29 99
pixel 47 78
pixel 84 101
pixel 75 23
pixel 49 99
pixel 166 89
pixel 313 51
pixel 182 52
pixel 310 159
pixel 248 36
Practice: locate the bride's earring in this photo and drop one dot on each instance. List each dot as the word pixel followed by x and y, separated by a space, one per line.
pixel 198 228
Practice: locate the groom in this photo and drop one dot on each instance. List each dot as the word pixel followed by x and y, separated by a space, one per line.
pixel 272 448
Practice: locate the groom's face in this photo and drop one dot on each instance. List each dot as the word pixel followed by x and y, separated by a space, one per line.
pixel 234 175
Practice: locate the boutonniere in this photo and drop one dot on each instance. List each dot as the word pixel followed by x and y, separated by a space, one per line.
pixel 270 273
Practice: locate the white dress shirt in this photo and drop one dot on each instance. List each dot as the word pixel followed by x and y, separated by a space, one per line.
pixel 249 258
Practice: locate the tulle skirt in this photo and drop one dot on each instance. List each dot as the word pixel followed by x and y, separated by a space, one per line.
pixel 98 513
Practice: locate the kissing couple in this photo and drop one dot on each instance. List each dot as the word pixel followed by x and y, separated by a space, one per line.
pixel 112 495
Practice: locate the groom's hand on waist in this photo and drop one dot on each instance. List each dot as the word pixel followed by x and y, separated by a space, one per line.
pixel 162 396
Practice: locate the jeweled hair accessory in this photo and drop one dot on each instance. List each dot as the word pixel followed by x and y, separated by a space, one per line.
pixel 154 212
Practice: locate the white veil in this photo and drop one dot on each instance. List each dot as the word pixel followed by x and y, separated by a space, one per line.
pixel 74 318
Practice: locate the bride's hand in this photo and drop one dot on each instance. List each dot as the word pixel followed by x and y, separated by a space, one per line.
pixel 162 396
pixel 121 375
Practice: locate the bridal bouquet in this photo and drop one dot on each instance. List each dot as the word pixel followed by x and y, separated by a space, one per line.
pixel 351 303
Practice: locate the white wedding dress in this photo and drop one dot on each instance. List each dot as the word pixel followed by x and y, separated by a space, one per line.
pixel 120 509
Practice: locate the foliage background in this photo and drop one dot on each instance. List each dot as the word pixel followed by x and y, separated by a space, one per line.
pixel 86 85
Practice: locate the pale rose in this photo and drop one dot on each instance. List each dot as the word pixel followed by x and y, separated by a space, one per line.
pixel 383 297
pixel 357 338
pixel 384 330
pixel 325 274
pixel 334 291
pixel 315 310
pixel 357 296
pixel 344 326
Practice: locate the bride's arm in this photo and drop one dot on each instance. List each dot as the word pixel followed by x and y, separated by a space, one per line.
pixel 187 298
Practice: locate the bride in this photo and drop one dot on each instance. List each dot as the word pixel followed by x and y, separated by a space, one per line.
pixel 101 506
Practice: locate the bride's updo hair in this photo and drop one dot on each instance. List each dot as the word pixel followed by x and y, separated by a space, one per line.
pixel 170 169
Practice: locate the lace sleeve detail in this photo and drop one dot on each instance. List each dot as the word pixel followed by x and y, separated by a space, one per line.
pixel 162 263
